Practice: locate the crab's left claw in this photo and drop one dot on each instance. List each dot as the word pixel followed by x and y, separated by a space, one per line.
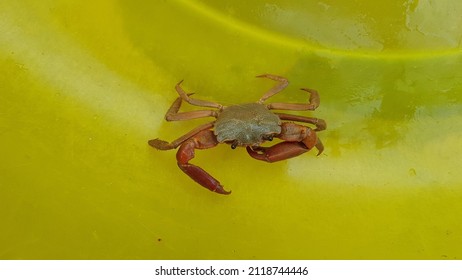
pixel 319 146
pixel 298 140
pixel 280 151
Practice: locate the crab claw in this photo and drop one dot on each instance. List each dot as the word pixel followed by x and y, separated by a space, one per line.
pixel 202 140
pixel 280 151
pixel 319 146
pixel 203 178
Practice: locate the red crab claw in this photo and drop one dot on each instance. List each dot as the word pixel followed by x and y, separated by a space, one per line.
pixel 203 140
pixel 298 140
pixel 280 151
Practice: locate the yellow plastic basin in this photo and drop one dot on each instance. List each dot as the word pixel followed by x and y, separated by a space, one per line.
pixel 85 85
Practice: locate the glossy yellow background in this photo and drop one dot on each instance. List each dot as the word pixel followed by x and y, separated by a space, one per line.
pixel 84 85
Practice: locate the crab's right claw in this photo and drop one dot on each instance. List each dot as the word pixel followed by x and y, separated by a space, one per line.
pixel 202 140
pixel 203 178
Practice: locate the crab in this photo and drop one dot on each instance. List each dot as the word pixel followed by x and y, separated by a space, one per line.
pixel 246 125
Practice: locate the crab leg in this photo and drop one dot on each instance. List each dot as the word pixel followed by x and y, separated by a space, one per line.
pixel 283 83
pixel 173 115
pixel 202 140
pixel 312 104
pixel 298 140
pixel 319 123
pixel 196 102
pixel 164 145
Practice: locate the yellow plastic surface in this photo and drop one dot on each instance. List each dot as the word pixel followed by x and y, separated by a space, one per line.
pixel 85 84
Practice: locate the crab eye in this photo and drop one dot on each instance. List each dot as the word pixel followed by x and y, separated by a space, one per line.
pixel 267 137
pixel 234 145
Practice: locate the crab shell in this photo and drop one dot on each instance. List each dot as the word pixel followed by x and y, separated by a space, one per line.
pixel 246 124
